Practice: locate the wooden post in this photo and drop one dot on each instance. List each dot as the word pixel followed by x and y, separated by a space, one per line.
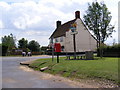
pixel 57 58
pixel 52 53
pixel 74 44
pixel 52 49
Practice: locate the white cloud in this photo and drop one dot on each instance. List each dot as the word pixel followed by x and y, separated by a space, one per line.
pixel 1 24
pixel 31 14
pixel 39 36
pixel 5 6
pixel 18 1
pixel 22 22
pixel 37 18
pixel 36 33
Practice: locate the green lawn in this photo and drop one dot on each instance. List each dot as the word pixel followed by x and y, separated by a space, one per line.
pixel 105 68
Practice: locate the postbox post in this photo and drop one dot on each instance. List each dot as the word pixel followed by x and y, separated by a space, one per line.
pixel 57 48
pixel 57 57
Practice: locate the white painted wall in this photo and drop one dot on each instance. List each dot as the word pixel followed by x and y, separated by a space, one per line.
pixel 84 40
pixel 62 43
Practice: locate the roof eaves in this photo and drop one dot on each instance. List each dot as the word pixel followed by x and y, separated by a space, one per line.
pixel 61 26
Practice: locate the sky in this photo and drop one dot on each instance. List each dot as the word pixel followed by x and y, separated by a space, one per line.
pixel 36 19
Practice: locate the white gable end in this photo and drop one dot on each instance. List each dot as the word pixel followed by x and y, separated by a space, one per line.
pixel 84 40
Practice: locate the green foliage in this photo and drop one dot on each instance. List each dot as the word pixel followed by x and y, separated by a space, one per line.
pixel 27 50
pixel 34 46
pixel 0 49
pixel 114 48
pixel 44 49
pixel 8 45
pixel 22 43
pixel 98 19
pixel 9 41
pixel 4 49
pixel 111 51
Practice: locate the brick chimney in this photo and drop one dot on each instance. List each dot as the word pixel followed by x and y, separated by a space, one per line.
pixel 58 23
pixel 77 14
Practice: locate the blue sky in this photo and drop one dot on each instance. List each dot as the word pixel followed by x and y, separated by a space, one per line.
pixel 36 19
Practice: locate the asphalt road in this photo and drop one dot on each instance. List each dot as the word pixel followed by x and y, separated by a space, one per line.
pixel 15 75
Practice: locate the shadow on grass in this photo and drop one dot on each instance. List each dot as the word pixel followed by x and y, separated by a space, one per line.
pixel 95 58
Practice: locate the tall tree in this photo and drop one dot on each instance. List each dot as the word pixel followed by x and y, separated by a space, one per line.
pixel 9 41
pixel 97 19
pixel 34 46
pixel 23 43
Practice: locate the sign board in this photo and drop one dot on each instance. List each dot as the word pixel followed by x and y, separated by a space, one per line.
pixel 74 32
pixel 73 28
pixel 57 47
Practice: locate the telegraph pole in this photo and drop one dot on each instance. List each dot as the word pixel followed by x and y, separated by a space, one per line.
pixel 74 44
pixel 74 32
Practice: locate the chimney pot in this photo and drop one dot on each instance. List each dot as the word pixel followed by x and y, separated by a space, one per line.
pixel 58 23
pixel 77 14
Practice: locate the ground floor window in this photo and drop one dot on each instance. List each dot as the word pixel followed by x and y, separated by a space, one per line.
pixel 56 39
pixel 61 39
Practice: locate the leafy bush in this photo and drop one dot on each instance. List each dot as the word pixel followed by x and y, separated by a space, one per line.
pixel 4 50
pixel 110 50
pixel 114 48
pixel 36 53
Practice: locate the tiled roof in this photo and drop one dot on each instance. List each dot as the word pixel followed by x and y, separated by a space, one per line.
pixel 61 30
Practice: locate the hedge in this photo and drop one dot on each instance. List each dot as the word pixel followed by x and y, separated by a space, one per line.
pixel 112 51
pixel 4 49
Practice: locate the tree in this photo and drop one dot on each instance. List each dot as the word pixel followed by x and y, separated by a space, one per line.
pixel 23 43
pixel 97 19
pixel 4 49
pixel 8 42
pixel 44 49
pixel 34 46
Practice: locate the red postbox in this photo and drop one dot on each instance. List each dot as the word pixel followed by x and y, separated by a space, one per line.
pixel 57 47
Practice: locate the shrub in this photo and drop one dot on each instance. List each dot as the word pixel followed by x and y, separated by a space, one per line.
pixel 110 50
pixel 4 50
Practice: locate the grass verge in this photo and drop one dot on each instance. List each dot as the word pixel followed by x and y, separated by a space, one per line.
pixel 105 68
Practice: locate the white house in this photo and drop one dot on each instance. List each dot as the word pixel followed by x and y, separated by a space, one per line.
pixel 84 40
